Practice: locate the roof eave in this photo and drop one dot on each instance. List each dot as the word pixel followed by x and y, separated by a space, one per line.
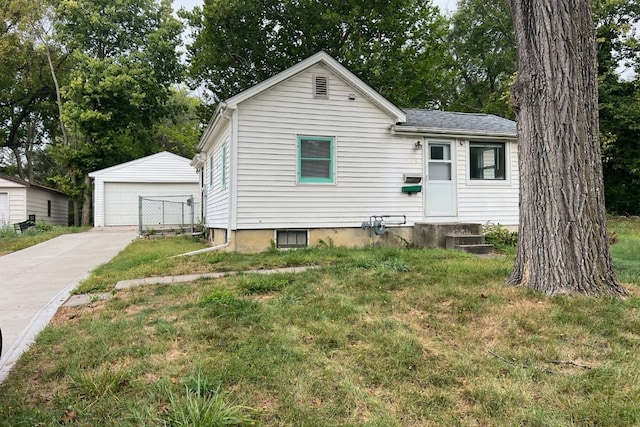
pixel 453 133
pixel 213 125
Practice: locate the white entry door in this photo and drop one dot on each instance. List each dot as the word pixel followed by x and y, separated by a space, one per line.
pixel 440 186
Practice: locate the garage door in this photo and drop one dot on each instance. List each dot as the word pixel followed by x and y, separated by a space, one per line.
pixel 4 209
pixel 121 199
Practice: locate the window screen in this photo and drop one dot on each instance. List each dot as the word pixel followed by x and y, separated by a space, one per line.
pixel 315 159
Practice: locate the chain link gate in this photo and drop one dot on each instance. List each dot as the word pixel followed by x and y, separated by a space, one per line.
pixel 166 214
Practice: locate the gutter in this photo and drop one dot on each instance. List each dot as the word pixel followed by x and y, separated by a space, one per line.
pixel 454 133
pixel 220 110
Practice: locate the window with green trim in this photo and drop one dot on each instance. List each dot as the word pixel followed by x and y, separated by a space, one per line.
pixel 316 159
pixel 223 167
pixel 211 170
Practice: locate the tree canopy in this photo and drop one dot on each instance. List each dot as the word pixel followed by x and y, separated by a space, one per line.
pixel 398 47
pixel 483 45
pixel 619 53
pixel 124 67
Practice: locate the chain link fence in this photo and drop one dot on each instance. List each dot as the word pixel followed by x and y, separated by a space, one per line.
pixel 167 214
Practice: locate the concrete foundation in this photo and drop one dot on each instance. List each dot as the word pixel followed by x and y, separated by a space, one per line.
pixel 421 235
pixel 252 241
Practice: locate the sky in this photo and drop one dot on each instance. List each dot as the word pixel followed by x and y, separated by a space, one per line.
pixel 445 5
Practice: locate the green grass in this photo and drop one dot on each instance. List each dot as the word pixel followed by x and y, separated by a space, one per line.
pixel 373 337
pixel 624 251
pixel 10 241
pixel 146 258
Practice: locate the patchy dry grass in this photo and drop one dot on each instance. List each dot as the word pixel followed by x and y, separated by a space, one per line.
pixel 374 337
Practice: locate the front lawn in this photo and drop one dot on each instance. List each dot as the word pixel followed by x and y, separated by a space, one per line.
pixel 374 337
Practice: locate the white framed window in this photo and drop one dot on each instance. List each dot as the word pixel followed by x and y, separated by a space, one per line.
pixel 223 167
pixel 487 161
pixel 211 171
pixel 316 159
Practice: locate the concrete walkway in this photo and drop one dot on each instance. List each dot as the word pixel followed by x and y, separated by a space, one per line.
pixel 82 299
pixel 34 282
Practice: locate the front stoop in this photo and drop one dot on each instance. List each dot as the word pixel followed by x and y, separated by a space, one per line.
pixel 471 243
pixel 451 235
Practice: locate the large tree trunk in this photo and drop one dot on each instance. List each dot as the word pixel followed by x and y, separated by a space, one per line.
pixel 563 245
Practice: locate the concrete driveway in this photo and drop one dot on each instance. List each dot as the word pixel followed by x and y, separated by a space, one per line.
pixel 34 282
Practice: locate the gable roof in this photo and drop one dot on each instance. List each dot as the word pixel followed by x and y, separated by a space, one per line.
pixel 446 122
pixel 408 120
pixel 337 68
pixel 137 162
pixel 28 184
pixel 321 57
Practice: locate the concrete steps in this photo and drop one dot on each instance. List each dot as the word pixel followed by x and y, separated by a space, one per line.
pixel 461 236
pixel 472 243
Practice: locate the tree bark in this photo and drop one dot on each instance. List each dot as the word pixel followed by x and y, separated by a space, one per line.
pixel 75 205
pixel 86 202
pixel 562 243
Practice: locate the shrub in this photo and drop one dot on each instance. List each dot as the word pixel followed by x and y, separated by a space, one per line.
pixel 499 236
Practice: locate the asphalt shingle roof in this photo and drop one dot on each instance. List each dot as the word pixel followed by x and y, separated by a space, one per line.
pixel 464 122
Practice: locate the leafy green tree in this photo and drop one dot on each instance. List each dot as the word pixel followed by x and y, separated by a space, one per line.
pixel 397 46
pixel 179 133
pixel 483 44
pixel 27 91
pixel 619 47
pixel 125 61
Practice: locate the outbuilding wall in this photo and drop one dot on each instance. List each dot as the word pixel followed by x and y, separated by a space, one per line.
pixel 120 186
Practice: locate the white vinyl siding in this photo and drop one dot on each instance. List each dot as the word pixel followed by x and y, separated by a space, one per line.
pixel 24 200
pixel 260 140
pixel 217 196
pixel 496 200
pixel 369 161
pixel 4 209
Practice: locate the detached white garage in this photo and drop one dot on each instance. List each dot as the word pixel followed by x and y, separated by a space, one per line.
pixel 160 176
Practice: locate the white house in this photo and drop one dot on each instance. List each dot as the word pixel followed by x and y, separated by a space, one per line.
pixel 313 152
pixel 21 200
pixel 162 176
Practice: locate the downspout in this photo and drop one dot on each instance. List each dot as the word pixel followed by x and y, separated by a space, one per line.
pixel 223 111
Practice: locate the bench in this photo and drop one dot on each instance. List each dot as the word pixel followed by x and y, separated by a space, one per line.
pixel 21 227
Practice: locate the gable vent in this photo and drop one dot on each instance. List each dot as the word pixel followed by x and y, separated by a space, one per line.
pixel 320 86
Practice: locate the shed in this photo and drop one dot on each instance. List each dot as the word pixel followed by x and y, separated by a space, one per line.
pixel 20 199
pixel 117 189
